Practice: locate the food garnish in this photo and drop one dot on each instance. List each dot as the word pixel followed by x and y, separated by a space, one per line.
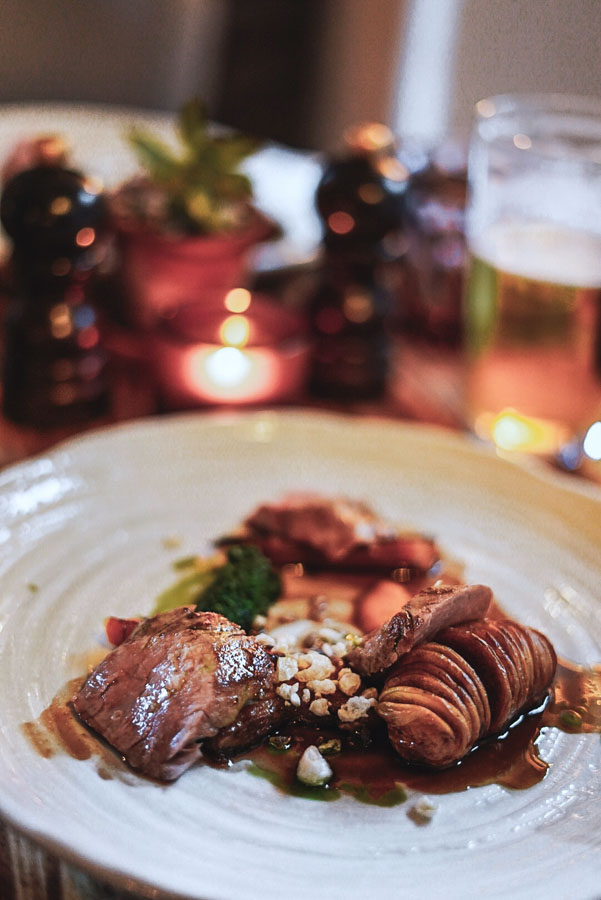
pixel 436 675
pixel 240 588
pixel 243 588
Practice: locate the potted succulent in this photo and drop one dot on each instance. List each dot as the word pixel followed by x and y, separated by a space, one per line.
pixel 185 225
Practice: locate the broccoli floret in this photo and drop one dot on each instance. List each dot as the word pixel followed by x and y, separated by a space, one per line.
pixel 244 587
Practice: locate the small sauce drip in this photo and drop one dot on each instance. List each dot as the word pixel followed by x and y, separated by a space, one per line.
pixel 576 705
pixel 59 730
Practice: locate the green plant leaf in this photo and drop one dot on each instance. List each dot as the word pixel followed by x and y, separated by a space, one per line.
pixel 201 187
pixel 192 123
pixel 154 155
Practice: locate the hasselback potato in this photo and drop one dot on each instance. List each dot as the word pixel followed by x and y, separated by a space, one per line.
pixel 444 696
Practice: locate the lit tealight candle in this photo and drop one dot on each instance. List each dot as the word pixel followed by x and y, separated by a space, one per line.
pixel 245 349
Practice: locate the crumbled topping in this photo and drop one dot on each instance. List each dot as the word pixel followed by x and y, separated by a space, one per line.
pixel 370 693
pixel 288 692
pixel 319 666
pixel 424 808
pixel 266 639
pixel 348 682
pixel 306 695
pixel 355 708
pixel 313 769
pixel 287 667
pixel 323 686
pixel 320 707
pixel 340 649
pixel 330 634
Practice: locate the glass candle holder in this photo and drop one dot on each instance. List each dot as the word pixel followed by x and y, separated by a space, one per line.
pixel 532 311
pixel 244 349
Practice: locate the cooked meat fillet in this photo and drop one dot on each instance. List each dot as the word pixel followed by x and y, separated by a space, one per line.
pixel 334 534
pixel 331 526
pixel 420 619
pixel 441 698
pixel 255 721
pixel 179 678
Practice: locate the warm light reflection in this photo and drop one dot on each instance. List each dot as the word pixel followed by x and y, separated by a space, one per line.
pixel 227 366
pixel 592 441
pixel 60 321
pixel 513 431
pixel 369 136
pixel 485 108
pixel 371 193
pixel 231 375
pixel 85 237
pixel 358 307
pixel 522 141
pixel 340 222
pixel 235 331
pixel 93 185
pixel 60 206
pixel 237 300
pixel 393 169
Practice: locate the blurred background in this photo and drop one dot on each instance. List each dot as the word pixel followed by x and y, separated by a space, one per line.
pixel 300 72
pixel 298 75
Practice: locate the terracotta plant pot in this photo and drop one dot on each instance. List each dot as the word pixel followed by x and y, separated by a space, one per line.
pixel 159 272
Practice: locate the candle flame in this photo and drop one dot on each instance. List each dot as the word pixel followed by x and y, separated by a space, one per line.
pixel 235 331
pixel 227 366
pixel 237 300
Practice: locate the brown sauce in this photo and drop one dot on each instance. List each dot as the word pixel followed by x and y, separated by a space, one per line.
pixel 372 774
pixel 59 730
pixel 376 775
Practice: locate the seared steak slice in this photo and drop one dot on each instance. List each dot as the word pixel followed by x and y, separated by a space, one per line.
pixel 420 619
pixel 255 721
pixel 334 534
pixel 179 678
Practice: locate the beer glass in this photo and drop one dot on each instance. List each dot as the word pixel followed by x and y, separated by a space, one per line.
pixel 532 306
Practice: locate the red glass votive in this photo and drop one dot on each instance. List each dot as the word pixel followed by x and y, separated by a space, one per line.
pixel 209 353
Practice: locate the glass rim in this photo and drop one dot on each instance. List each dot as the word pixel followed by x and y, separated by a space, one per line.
pixel 574 105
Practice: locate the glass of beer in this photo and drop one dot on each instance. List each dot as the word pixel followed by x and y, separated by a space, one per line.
pixel 532 311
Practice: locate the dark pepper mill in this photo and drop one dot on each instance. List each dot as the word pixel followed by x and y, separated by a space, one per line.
pixel 360 201
pixel 54 367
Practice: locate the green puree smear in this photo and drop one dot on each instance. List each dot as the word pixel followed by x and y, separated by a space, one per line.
pixel 241 588
pixel 295 789
pixel 361 793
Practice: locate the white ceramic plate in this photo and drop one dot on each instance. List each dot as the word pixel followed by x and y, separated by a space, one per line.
pixel 88 525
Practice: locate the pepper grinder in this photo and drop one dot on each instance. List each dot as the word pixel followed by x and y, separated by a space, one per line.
pixel 54 371
pixel 360 201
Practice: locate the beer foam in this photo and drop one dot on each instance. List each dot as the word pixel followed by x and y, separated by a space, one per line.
pixel 543 252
